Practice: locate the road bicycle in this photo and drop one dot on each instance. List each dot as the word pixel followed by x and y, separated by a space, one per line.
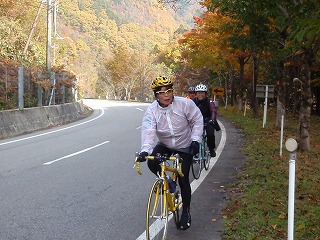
pixel 163 202
pixel 202 159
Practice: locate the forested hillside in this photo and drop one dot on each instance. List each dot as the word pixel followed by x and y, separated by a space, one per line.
pixel 102 29
pixel 93 38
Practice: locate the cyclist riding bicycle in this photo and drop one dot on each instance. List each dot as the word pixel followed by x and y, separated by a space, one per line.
pixel 209 112
pixel 191 92
pixel 177 123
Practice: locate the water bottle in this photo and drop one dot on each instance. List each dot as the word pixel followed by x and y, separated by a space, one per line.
pixel 172 185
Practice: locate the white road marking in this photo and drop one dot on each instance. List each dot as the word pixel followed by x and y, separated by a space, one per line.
pixel 54 131
pixel 195 183
pixel 76 153
pixel 141 111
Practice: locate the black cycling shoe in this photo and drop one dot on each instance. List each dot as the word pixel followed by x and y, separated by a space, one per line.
pixel 213 153
pixel 185 221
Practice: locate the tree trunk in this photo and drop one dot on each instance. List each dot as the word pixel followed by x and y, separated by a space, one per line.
pixel 281 96
pixel 233 88
pixel 241 80
pixel 305 106
pixel 316 92
pixel 255 81
pixel 232 85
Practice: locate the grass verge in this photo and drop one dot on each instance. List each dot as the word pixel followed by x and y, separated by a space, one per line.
pixel 258 201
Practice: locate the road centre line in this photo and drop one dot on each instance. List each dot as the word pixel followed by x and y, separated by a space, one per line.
pixel 195 183
pixel 76 153
pixel 54 131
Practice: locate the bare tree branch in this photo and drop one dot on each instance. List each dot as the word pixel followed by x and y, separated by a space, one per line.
pixel 285 12
pixel 175 4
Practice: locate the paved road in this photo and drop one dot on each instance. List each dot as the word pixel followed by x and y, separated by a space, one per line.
pixel 76 181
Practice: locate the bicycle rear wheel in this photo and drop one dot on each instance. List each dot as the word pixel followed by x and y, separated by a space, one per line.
pixel 196 167
pixel 157 212
pixel 206 156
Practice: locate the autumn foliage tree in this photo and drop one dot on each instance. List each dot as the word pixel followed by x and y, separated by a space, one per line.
pixel 208 45
pixel 279 35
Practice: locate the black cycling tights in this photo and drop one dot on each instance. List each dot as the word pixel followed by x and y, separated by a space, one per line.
pixel 183 181
pixel 211 140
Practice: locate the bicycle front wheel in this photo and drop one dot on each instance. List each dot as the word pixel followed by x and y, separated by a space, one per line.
pixel 206 157
pixel 157 212
pixel 196 167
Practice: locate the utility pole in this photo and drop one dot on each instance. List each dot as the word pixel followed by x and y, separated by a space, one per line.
pixel 49 34
pixel 49 48
pixel 26 48
pixel 55 31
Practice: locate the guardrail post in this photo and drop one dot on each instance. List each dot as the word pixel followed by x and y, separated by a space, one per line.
pixel 20 88
pixel 39 95
pixel 281 134
pixel 291 146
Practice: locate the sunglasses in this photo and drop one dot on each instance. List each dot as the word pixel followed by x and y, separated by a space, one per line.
pixel 170 90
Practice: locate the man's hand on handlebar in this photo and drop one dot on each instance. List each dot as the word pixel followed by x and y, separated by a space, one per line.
pixel 194 147
pixel 142 156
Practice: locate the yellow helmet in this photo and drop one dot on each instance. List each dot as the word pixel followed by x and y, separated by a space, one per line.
pixel 161 82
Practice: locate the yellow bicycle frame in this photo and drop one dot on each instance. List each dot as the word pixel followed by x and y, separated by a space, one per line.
pixel 164 168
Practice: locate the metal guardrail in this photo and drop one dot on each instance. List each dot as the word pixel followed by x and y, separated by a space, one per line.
pixel 20 87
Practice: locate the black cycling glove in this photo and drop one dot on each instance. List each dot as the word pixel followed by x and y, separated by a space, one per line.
pixel 194 147
pixel 142 156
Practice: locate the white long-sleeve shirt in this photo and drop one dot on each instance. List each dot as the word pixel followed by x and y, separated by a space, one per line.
pixel 176 126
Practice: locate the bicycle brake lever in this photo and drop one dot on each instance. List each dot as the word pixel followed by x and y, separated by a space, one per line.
pixel 136 164
pixel 138 168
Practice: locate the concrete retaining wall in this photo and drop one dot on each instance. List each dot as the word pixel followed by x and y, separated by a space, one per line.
pixel 17 122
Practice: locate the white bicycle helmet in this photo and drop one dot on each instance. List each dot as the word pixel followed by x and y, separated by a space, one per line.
pixel 201 88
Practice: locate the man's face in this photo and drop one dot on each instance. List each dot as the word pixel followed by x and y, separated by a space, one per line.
pixel 165 96
pixel 192 94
